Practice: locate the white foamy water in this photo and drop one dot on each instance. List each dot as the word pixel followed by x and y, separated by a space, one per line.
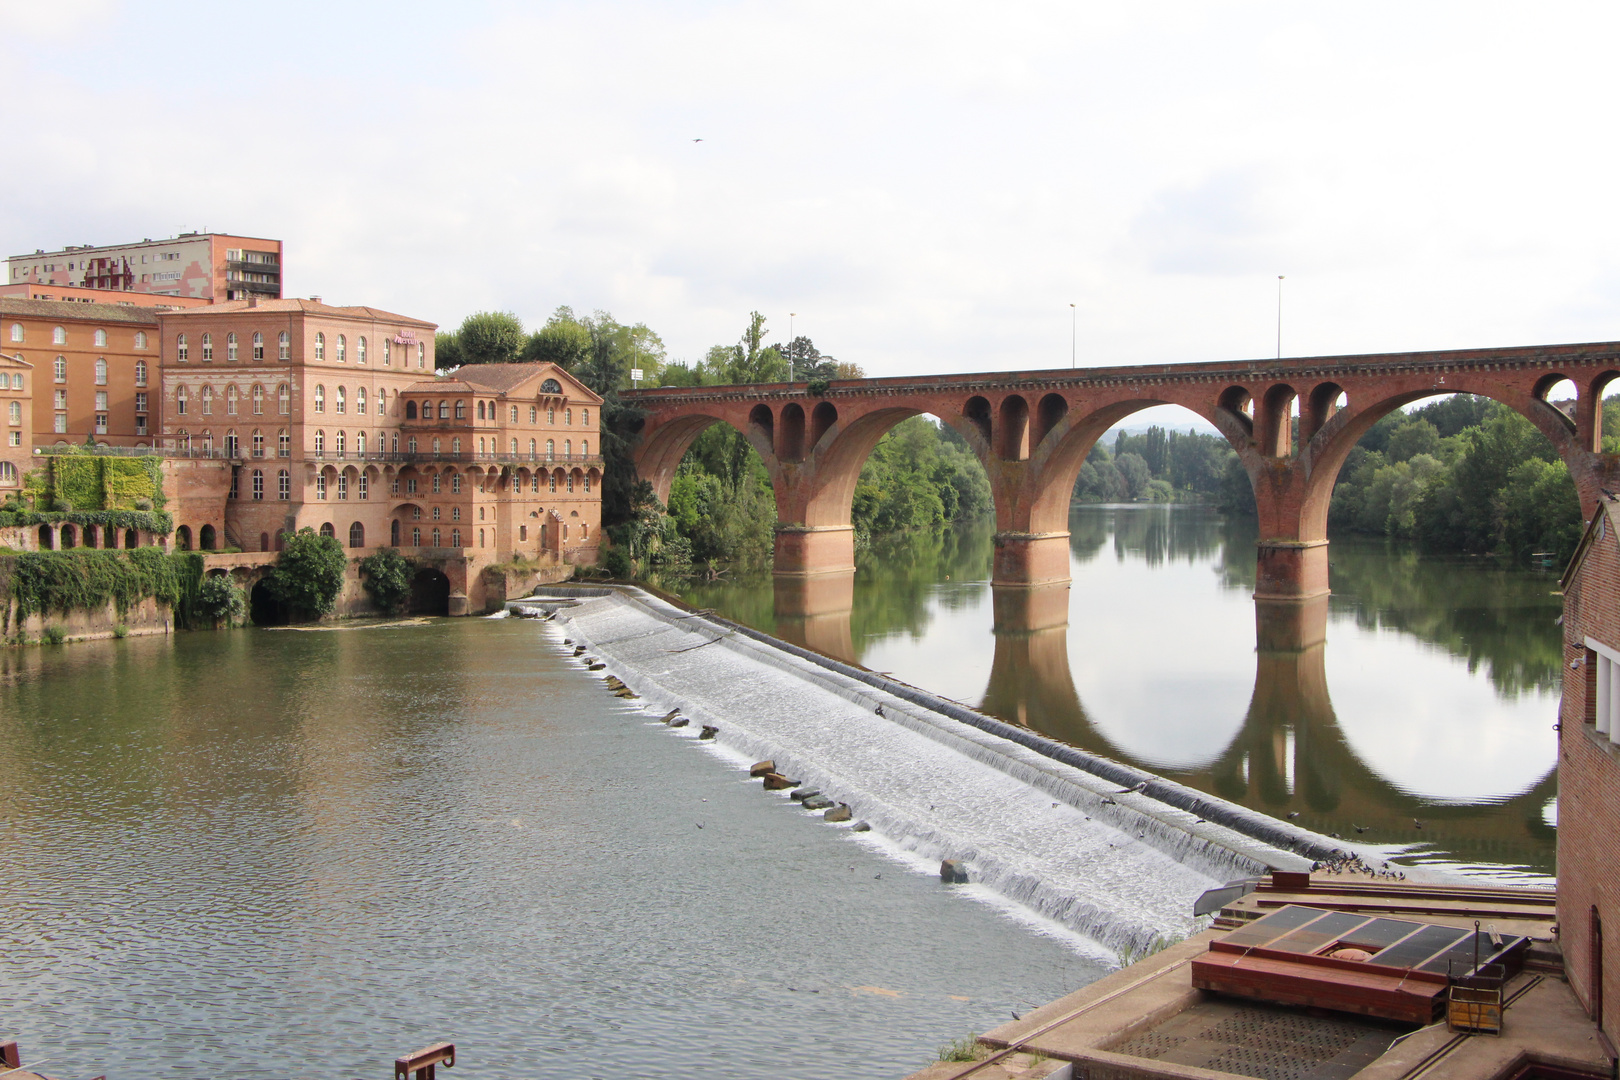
pixel 1033 830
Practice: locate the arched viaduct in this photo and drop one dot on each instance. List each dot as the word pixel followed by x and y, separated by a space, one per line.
pixel 1032 431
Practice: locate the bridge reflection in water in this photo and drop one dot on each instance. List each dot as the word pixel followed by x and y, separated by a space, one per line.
pixel 1290 755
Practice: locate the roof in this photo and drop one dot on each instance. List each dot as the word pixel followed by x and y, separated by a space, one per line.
pixel 308 307
pixel 1608 511
pixel 72 309
pixel 17 361
pixel 500 379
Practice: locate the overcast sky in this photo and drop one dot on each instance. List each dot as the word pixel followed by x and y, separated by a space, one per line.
pixel 929 186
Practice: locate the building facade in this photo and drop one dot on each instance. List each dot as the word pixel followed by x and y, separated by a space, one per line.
pixel 77 295
pixel 1589 773
pixel 207 266
pixel 96 365
pixel 16 421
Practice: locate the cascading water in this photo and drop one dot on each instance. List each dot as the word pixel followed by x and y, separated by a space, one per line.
pixel 1119 868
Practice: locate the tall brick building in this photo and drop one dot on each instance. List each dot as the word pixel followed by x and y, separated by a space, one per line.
pixel 97 366
pixel 1589 773
pixel 16 421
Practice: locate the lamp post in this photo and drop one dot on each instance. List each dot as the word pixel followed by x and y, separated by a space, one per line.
pixel 1279 316
pixel 1074 335
pixel 791 316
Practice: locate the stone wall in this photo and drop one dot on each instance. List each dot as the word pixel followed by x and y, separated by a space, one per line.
pixel 145 617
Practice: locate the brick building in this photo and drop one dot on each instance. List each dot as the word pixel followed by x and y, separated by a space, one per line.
pixel 26 291
pixel 207 266
pixel 502 457
pixel 16 421
pixel 97 365
pixel 1589 773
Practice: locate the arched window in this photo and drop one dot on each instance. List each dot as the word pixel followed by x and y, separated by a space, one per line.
pixel 258 443
pixel 438 478
pixel 584 448
pixel 568 448
pixel 17 332
pixel 551 386
pixel 230 346
pixel 208 346
pixel 320 346
pixel 258 485
pixel 388 360
pixel 410 410
pixel 232 445
pixel 180 401
pixel 342 401
pixel 393 533
pixel 283 485
pixel 343 485
pixel 58 336
pixel 421 355
pixel 180 352
pixel 416 537
pixel 341 441
pixel 587 482
pixel 534 414
pixel 8 471
pixel 535 483
pixel 59 369
pixel 554 480
pixel 570 481
pixel 568 417
pixel 551 448
pixel 514 448
pixel 444 410
pixel 284 399
pixel 258 400
pixel 436 446
pixel 357 531
pixel 320 485
pixel 258 345
pixel 230 400
pixel 410 445
pixel 343 348
pixel 283 346
pixel 584 418
pixel 455 537
pixel 101 339
pixel 140 339
pixel 327 530
pixel 436 537
pixel 360 443
pixel 283 443
pixel 320 443
pixel 360 400
pixel 320 398
pixel 140 373
pixel 461 410
pixel 101 371
pixel 16 412
pixel 362 485
pixel 480 446
pixel 382 403
pixel 455 483
pixel 531 448
pixel 480 410
pixel 551 416
pixel 208 401
pixel 360 351
pixel 455 446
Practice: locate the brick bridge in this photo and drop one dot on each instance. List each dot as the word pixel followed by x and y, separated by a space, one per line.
pixel 1032 431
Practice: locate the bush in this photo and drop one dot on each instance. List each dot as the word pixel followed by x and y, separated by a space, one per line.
pixel 387 577
pixel 120 631
pixel 219 599
pixel 52 635
pixel 616 563
pixel 308 574
pixel 84 579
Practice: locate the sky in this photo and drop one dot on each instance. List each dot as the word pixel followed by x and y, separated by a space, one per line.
pixel 924 187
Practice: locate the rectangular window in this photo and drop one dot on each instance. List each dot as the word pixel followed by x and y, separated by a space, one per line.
pixel 140 403
pixel 1603 685
pixel 140 425
pixel 283 485
pixel 101 423
pixel 101 400
pixel 258 486
pixel 320 485
pixel 61 399
pixel 16 438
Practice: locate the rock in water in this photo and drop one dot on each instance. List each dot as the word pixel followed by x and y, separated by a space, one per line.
pixel 760 768
pixel 679 721
pixel 625 692
pixel 952 872
pixel 817 802
pixel 778 782
pixel 803 793
pixel 672 714
pixel 598 666
pixel 838 813
pixel 709 731
pixel 860 826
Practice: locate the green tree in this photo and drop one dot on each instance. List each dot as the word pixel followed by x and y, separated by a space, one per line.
pixel 489 337
pixel 750 361
pixel 386 575
pixel 219 599
pixel 565 341
pixel 1416 436
pixel 308 574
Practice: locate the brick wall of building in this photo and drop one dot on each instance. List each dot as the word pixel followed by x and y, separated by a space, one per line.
pixel 1589 782
pixel 16 422
pixel 86 356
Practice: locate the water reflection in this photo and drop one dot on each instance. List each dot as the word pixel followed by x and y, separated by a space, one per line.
pixel 1444 672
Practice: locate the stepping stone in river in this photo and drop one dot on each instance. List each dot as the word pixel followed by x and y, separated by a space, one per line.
pixel 679 721
pixel 952 872
pixel 709 731
pixel 804 793
pixel 817 802
pixel 860 826
pixel 778 782
pixel 760 768
pixel 837 813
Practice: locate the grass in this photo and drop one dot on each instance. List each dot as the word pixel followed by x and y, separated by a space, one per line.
pixel 966 1048
pixel 52 635
pixel 1157 945
pixel 120 631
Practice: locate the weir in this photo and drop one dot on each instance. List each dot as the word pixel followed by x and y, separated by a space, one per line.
pixel 1057 836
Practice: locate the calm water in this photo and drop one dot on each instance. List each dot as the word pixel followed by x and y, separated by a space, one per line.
pixel 1423 689
pixel 264 854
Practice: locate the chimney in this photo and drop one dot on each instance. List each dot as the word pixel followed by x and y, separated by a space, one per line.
pixel 253 301
pixel 314 299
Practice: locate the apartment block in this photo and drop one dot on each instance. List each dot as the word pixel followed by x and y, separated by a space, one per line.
pixel 96 366
pixel 213 267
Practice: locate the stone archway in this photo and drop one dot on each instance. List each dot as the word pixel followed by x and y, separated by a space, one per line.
pixel 430 593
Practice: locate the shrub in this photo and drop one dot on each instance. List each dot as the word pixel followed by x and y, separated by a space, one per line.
pixel 387 577
pixel 219 599
pixel 120 631
pixel 52 635
pixel 964 1049
pixel 616 563
pixel 308 574
pixel 42 582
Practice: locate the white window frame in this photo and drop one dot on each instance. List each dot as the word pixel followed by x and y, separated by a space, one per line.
pixel 1606 707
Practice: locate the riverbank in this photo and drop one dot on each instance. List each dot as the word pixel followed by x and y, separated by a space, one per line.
pixel 1113 853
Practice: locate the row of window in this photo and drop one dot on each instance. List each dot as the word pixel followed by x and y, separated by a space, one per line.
pixel 16 381
pixel 340 401
pixel 493 446
pixel 553 479
pixel 182 348
pixel 233 445
pixel 283 485
pixel 59 372
pixel 59 336
pixel 460 408
pixel 182 400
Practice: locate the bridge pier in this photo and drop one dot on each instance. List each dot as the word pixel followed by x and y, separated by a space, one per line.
pixel 815 612
pixel 809 550
pixel 1029 559
pixel 1290 570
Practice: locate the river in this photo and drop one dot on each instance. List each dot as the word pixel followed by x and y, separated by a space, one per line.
pixel 263 853
pixel 1423 690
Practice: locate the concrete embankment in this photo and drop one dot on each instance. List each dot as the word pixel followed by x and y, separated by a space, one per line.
pixel 1113 853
